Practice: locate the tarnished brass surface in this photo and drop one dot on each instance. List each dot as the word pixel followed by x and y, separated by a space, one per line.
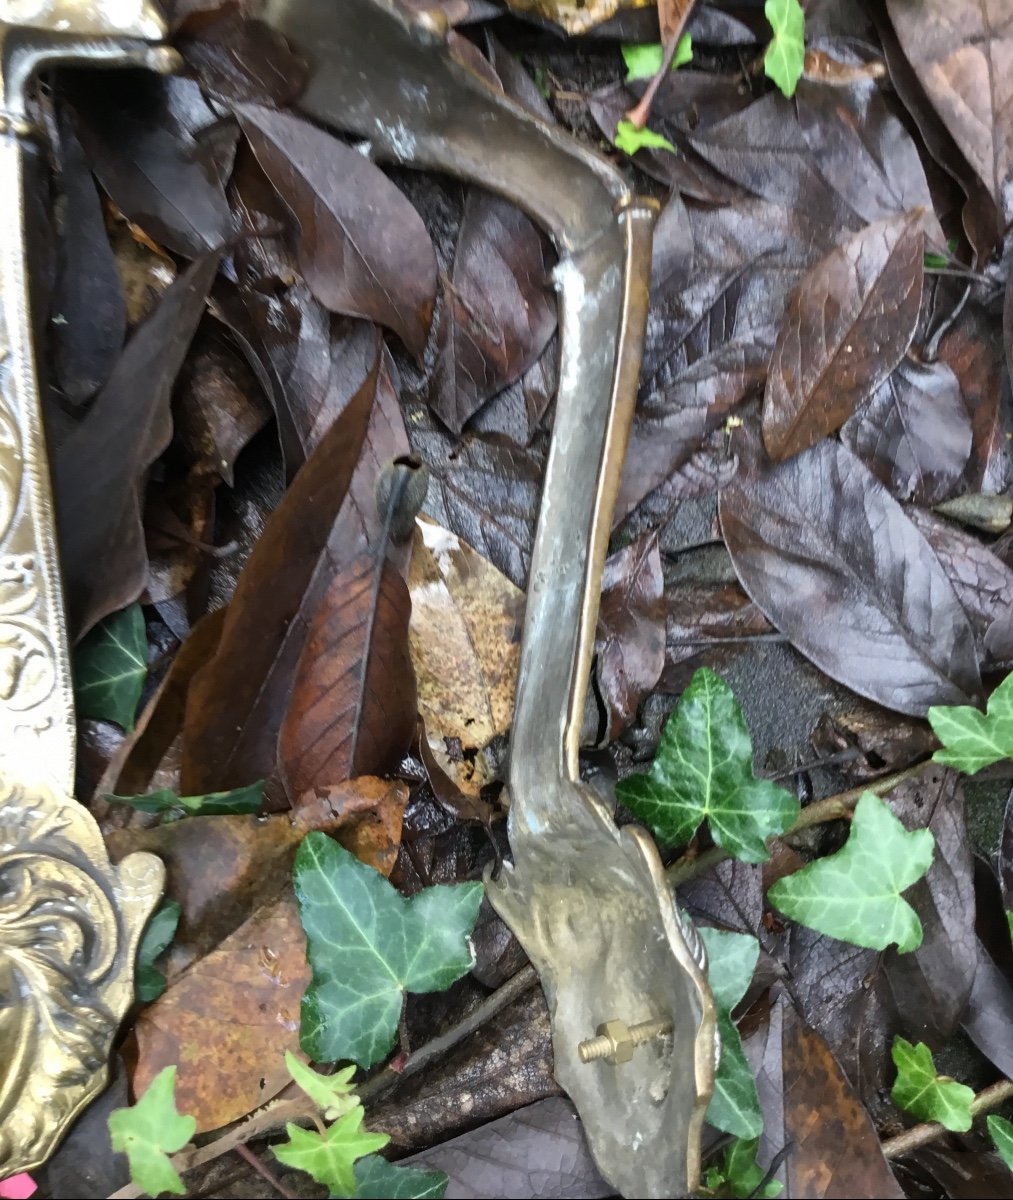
pixel 589 902
pixel 576 16
pixel 69 921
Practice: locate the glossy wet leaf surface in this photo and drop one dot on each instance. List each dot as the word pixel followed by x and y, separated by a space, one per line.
pixel 924 1093
pixel 731 960
pixel 704 770
pixel 110 667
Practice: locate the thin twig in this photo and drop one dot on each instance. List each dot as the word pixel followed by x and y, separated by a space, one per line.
pixel 833 808
pixel 263 1170
pixel 292 1105
pixel 922 1135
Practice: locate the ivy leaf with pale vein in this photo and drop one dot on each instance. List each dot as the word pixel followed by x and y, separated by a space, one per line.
pixel 738 1173
pixel 149 1131
pixel 925 1094
pixel 333 1094
pixel 149 982
pixel 1001 1132
pixel 972 739
pixel 704 769
pixel 855 894
pixel 785 56
pixel 377 1179
pixel 735 1105
pixel 368 945
pixel 110 667
pixel 329 1157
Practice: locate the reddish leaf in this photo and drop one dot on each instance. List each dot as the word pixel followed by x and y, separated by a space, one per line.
pixel 962 51
pixel 237 701
pixel 630 638
pixel 914 432
pixel 498 309
pixel 100 468
pixel 847 325
pixel 707 624
pixel 353 705
pixel 363 249
pixel 834 562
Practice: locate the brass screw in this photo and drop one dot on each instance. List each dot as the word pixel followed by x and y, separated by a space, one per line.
pixel 616 1041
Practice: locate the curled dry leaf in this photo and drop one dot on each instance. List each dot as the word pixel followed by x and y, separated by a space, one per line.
pixel 363 249
pixel 847 325
pixel 834 562
pixel 352 706
pixel 465 643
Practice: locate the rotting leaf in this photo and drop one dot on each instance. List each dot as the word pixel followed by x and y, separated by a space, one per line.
pixel 914 432
pixel 149 1131
pixel 924 1093
pixel 99 469
pixel 499 310
pixel 973 740
pixel 368 946
pixel 704 769
pixel 630 637
pixel 731 960
pixel 363 249
pixel 329 1156
pixel 236 702
pixel 110 667
pixel 819 534
pixel 352 706
pixel 855 894
pixel 846 326
pixel 231 1015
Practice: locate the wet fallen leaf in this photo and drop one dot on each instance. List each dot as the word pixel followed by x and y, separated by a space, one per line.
pixel 352 705
pixel 499 310
pixel 365 260
pixel 465 645
pixel 847 325
pixel 809 544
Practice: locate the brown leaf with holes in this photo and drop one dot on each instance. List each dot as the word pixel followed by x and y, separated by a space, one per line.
pixel 363 249
pixel 465 644
pixel 353 705
pixel 846 326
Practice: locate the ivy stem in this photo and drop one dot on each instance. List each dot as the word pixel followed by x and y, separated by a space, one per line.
pixel 833 808
pixel 262 1169
pixel 922 1135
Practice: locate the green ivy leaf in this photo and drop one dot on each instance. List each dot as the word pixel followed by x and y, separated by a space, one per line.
pixel 333 1094
pixel 377 1179
pixel 926 1095
pixel 329 1157
pixel 110 667
pixel 213 804
pixel 785 55
pixel 731 960
pixel 1001 1131
pixel 367 946
pixel 149 983
pixel 149 1131
pixel 972 739
pixel 644 62
pixel 704 769
pixel 630 139
pixel 738 1173
pixel 855 894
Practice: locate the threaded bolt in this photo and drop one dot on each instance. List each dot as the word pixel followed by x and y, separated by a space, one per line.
pixel 615 1041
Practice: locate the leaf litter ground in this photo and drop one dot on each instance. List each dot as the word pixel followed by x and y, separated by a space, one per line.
pixel 827 356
